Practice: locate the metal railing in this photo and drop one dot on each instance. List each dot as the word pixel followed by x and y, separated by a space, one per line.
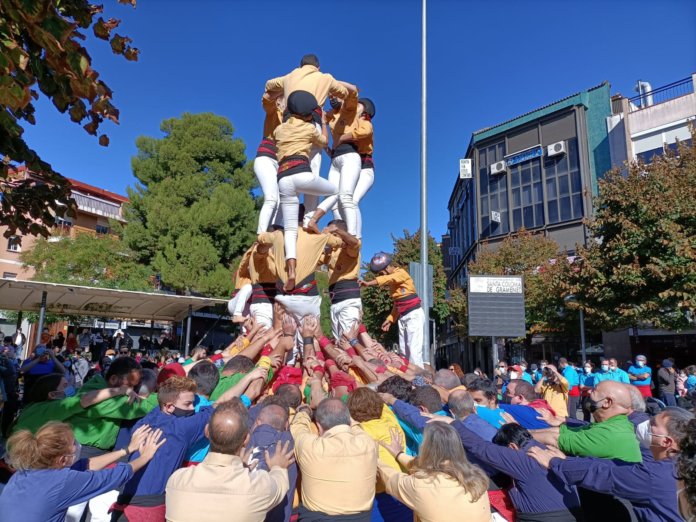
pixel 662 94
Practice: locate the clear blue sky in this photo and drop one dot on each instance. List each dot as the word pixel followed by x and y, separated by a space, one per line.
pixel 488 61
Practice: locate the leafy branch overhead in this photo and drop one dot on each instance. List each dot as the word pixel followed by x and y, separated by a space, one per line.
pixel 41 51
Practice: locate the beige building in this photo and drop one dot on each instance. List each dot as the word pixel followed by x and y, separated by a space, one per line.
pixel 95 207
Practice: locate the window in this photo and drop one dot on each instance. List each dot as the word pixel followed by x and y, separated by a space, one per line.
pixel 9 275
pixel 494 195
pixel 14 245
pixel 102 229
pixel 527 195
pixel 564 185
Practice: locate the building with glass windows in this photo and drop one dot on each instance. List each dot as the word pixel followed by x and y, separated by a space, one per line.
pixel 538 171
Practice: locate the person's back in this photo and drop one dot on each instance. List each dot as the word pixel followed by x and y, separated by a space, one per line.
pixel 339 466
pixel 308 77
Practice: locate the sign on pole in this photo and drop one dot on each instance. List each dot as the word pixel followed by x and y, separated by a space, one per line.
pixel 496 306
pixel 465 168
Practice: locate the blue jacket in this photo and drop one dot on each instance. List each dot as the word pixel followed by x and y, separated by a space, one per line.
pixel 526 416
pixel 535 489
pixel 413 423
pixel 650 486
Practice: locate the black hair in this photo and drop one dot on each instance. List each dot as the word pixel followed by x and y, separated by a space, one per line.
pixel 288 395
pixel 206 376
pixel 309 59
pixel 340 224
pixel 484 385
pixel 512 433
pixel 43 386
pixel 686 463
pixel 121 366
pixel 428 397
pixel 396 386
pixel 238 364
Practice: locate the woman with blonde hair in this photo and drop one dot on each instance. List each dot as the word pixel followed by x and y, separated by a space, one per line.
pixel 441 482
pixel 51 477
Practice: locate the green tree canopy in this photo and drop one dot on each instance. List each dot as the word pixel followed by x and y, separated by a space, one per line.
pixel 192 212
pixel 376 301
pixel 641 264
pixel 41 50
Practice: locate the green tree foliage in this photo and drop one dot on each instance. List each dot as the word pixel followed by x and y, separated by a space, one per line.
pixel 101 261
pixel 641 265
pixel 41 50
pixel 192 213
pixel 376 301
pixel 545 272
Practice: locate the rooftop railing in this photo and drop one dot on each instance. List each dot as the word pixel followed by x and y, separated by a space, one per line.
pixel 662 94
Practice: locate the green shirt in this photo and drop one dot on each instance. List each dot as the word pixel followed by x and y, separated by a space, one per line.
pixel 36 415
pixel 613 438
pixel 98 425
pixel 227 382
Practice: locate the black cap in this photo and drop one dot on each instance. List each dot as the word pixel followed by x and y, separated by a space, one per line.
pixel 309 59
pixel 302 103
pixel 369 106
pixel 380 261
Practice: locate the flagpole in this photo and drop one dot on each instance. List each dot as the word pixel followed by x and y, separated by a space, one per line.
pixel 425 298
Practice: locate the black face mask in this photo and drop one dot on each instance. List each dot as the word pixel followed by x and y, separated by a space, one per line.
pixel 335 103
pixel 178 412
pixel 594 405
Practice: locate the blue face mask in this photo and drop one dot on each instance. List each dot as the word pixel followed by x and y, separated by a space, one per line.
pixel 69 391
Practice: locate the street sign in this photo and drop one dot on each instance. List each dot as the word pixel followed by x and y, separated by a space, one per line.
pixel 464 169
pixel 496 306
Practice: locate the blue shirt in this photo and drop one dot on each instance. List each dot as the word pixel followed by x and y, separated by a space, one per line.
pixel 181 433
pixel 639 370
pixel 526 377
pixel 199 449
pixel 535 489
pixel 491 416
pixel 413 423
pixel 617 375
pixel 526 416
pixel 41 368
pixel 650 486
pixel 588 379
pixel 46 494
pixel 571 375
pixel 690 382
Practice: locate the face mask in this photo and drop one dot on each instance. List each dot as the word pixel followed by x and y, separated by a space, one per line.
pixel 588 369
pixel 501 371
pixel 543 366
pixel 513 375
pixel 640 364
pixel 524 368
pixel 605 367
pixel 78 450
pixel 178 412
pixel 69 391
pixel 335 103
pixel 595 405
pixel 612 368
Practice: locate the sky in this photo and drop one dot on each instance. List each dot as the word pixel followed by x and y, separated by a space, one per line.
pixel 488 61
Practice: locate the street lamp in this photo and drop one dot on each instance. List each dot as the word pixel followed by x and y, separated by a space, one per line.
pixel 572 299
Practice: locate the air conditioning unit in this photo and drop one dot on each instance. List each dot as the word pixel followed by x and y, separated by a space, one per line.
pixel 498 167
pixel 556 149
pixel 464 169
pixel 495 216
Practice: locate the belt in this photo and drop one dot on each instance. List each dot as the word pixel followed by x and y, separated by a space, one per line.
pixel 343 290
pixel 344 148
pixel 263 292
pixel 407 304
pixel 293 165
pixel 366 161
pixel 267 148
pixel 308 287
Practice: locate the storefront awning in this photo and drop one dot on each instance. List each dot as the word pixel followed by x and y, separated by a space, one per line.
pixel 101 302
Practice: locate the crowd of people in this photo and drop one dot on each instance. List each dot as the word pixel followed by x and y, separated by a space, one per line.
pixel 289 422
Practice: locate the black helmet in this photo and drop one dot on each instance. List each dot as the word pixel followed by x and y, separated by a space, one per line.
pixel 369 106
pixel 380 261
pixel 302 103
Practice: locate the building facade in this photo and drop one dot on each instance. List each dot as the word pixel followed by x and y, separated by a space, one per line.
pixel 538 171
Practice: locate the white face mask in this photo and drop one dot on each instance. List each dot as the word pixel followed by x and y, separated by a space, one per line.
pixel 643 434
pixel 588 369
pixel 543 366
pixel 605 367
pixel 640 364
pixel 524 368
pixel 513 375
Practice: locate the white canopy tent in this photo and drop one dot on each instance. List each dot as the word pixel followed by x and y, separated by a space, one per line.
pixel 57 298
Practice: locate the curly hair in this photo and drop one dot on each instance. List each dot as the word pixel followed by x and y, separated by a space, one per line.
pixel 397 386
pixel 364 405
pixel 170 389
pixel 41 450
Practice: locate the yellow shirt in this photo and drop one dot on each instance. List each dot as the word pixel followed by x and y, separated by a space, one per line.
pixel 273 116
pixel 242 276
pixel 400 285
pixel 310 249
pixel 556 395
pixel 435 499
pixel 363 134
pixel 343 263
pixel 221 485
pixel 345 119
pixel 338 469
pixel 262 267
pixel 307 78
pixel 296 137
pixel 378 429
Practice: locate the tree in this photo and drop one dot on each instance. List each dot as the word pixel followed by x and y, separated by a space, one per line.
pixel 192 212
pixel 545 271
pixel 40 47
pixel 100 261
pixel 640 265
pixel 377 302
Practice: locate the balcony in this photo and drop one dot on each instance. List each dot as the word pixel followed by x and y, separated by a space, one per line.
pixel 662 94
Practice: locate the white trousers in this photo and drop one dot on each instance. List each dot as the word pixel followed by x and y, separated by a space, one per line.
pixel 367 178
pixel 411 335
pixel 237 305
pixel 289 188
pixel 99 506
pixel 262 313
pixel 344 315
pixel 266 170
pixel 310 200
pixel 298 306
pixel 345 168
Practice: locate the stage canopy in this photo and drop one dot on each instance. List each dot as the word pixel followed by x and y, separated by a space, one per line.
pixel 100 302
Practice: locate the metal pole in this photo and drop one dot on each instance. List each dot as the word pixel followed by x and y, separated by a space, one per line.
pixel 188 332
pixel 19 320
pixel 582 336
pixel 494 354
pixel 425 298
pixel 42 317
